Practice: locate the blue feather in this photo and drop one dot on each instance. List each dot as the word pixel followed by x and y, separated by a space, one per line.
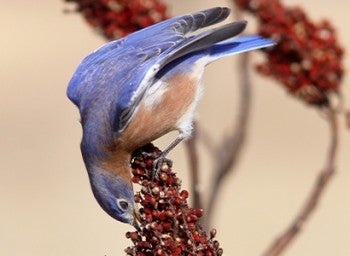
pixel 239 45
pixel 109 83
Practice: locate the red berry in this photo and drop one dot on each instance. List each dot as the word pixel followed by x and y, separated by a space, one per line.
pixel 212 233
pixel 198 212
pixel 184 193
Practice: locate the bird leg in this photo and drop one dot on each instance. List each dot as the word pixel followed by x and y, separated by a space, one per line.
pixel 158 162
pixel 172 145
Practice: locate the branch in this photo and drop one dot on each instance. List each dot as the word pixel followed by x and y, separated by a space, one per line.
pixel 284 240
pixel 193 161
pixel 229 152
pixel 168 226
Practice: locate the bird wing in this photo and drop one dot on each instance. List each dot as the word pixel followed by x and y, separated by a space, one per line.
pixel 115 77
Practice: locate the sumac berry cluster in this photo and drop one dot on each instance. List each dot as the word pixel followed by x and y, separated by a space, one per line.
pixel 118 18
pixel 307 59
pixel 168 225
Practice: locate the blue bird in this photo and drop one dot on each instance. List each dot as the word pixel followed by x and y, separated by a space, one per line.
pixel 134 90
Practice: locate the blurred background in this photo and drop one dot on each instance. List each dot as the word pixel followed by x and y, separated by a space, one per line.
pixel 47 207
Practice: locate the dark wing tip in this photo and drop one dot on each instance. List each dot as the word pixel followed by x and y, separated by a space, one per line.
pixel 193 21
pixel 232 29
pixel 215 15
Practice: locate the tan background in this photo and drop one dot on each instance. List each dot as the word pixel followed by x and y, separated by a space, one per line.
pixel 46 204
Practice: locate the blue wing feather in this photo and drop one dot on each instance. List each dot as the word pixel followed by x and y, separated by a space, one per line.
pixel 238 45
pixel 110 82
pixel 109 77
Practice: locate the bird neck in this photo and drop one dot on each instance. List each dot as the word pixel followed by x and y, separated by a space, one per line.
pixel 116 162
pixel 119 164
pixel 99 152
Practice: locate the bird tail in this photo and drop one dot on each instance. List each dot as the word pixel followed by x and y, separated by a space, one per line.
pixel 218 41
pixel 238 45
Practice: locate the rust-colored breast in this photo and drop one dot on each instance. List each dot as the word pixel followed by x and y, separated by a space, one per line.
pixel 151 122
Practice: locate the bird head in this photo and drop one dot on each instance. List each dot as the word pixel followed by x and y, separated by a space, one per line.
pixel 115 196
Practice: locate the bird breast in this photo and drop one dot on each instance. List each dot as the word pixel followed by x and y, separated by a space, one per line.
pixel 168 105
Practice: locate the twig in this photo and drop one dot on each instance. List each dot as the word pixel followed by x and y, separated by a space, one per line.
pixel 207 140
pixel 193 161
pixel 229 151
pixel 347 118
pixel 284 240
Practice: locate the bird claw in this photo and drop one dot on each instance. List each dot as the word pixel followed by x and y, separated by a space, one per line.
pixel 161 163
pixel 149 155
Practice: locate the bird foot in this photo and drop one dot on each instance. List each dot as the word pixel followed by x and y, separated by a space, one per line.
pixel 161 163
pixel 150 155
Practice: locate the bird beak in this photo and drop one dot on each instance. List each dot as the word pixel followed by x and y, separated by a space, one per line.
pixel 137 218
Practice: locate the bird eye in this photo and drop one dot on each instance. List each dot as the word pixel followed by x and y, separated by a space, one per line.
pixel 123 204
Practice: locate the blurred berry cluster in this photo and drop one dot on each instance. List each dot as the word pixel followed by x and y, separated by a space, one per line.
pixel 168 226
pixel 118 18
pixel 307 59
